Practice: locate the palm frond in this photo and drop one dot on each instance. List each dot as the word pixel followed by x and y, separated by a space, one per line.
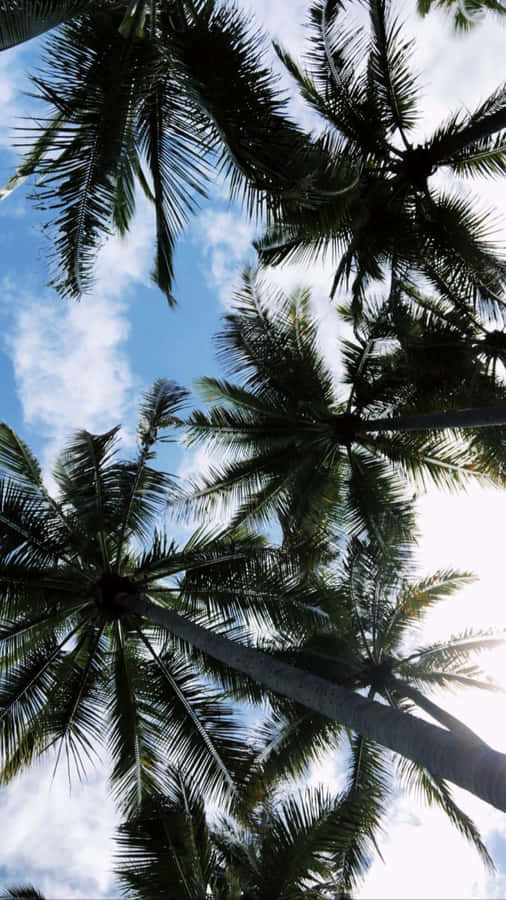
pixel 22 892
pixel 362 807
pixel 21 21
pixel 196 724
pixel 165 848
pixel 271 155
pixel 87 478
pixel 143 488
pixel 134 728
pixel 175 158
pixel 89 161
pixel 389 59
pixel 435 792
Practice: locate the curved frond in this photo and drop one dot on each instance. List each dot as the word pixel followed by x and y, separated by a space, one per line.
pixel 20 21
pixel 435 792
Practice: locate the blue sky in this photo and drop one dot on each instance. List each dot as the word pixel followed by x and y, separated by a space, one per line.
pixel 65 365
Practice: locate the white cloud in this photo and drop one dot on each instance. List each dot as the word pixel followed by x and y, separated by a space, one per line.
pixel 60 841
pixel 70 362
pixel 70 367
pixel 225 238
pixel 12 82
pixel 122 262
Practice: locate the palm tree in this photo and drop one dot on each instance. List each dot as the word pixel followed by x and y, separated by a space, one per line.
pixel 294 447
pixel 150 95
pixel 426 334
pixel 370 652
pixel 362 86
pixel 428 357
pixel 289 848
pixel 79 663
pixel 76 671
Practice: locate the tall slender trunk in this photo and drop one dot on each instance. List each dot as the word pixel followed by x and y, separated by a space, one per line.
pixel 475 767
pixel 479 417
pixel 440 151
pixel 444 718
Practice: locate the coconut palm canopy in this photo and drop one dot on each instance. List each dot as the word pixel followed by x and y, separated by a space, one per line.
pixel 373 648
pixel 287 848
pixel 316 453
pixel 359 80
pixel 75 668
pixel 156 97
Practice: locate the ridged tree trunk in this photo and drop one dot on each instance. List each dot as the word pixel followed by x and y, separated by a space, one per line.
pixel 479 417
pixel 473 766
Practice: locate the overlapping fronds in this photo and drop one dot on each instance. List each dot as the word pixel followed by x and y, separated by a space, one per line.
pixel 361 83
pixel 75 667
pixel 149 95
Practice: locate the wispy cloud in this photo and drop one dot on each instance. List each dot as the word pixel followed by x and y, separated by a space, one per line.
pixel 13 82
pixel 57 840
pixel 225 237
pixel 69 366
pixel 70 362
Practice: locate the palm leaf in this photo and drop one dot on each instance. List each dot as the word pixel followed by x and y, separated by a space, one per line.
pixel 134 728
pixel 175 159
pixel 435 792
pixel 22 892
pixel 143 487
pixel 20 21
pixel 389 60
pixel 90 160
pixel 165 848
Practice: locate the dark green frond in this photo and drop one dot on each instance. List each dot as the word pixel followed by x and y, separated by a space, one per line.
pixel 239 109
pixel 17 458
pixel 89 162
pixel 435 792
pixel 363 806
pixel 165 850
pixel 20 21
pixel 175 158
pixel 134 732
pixel 22 892
pixel 395 85
pixel 87 476
pixel 198 726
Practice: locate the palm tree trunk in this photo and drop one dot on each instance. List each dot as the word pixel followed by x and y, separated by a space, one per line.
pixel 455 725
pixel 479 417
pixel 442 150
pixel 475 767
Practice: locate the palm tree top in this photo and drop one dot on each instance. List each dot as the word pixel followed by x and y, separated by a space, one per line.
pixel 318 453
pixel 77 670
pixel 368 643
pixel 360 82
pixel 150 97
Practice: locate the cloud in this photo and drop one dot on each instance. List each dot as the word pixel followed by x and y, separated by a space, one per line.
pixel 13 81
pixel 70 360
pixel 70 367
pixel 225 237
pixel 58 840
